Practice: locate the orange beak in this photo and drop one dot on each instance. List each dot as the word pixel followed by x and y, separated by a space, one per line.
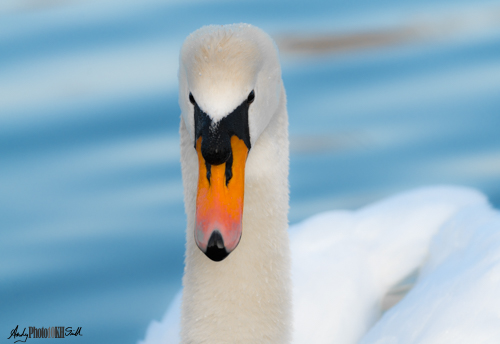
pixel 219 202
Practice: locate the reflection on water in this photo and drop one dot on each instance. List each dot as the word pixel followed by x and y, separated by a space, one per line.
pixel 420 27
pixel 91 213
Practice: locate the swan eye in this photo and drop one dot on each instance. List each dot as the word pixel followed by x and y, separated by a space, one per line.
pixel 251 97
pixel 191 98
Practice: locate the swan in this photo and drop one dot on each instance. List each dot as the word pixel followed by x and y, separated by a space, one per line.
pixel 239 266
pixel 234 161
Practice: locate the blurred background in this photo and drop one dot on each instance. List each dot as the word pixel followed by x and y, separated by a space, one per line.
pixel 383 96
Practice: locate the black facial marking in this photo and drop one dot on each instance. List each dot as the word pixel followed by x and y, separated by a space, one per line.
pixel 250 98
pixel 229 169
pixel 209 170
pixel 216 139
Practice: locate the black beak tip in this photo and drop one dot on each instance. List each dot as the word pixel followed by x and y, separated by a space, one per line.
pixel 215 248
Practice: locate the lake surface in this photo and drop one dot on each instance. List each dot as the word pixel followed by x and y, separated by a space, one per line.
pixel 92 223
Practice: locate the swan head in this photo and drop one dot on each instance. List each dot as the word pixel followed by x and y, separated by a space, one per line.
pixel 229 89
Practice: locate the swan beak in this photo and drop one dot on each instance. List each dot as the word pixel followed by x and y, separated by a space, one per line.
pixel 219 202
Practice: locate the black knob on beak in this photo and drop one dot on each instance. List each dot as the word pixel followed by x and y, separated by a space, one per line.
pixel 216 147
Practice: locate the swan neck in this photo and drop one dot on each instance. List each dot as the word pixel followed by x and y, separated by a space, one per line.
pixel 246 297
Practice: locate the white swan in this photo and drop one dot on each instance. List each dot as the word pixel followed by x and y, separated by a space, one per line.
pixel 234 127
pixel 246 297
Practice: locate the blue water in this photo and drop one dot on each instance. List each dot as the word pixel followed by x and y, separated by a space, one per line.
pixel 91 206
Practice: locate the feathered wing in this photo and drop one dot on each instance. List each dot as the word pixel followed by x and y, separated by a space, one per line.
pixel 344 262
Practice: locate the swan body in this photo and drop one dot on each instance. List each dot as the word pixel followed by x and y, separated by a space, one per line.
pixel 342 263
pixel 345 262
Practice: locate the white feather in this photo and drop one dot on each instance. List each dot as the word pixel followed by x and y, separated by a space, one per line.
pixel 343 262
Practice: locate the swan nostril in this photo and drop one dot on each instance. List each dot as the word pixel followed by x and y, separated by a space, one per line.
pixel 215 248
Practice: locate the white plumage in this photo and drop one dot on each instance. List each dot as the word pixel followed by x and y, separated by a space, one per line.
pixel 343 263
pixel 246 297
